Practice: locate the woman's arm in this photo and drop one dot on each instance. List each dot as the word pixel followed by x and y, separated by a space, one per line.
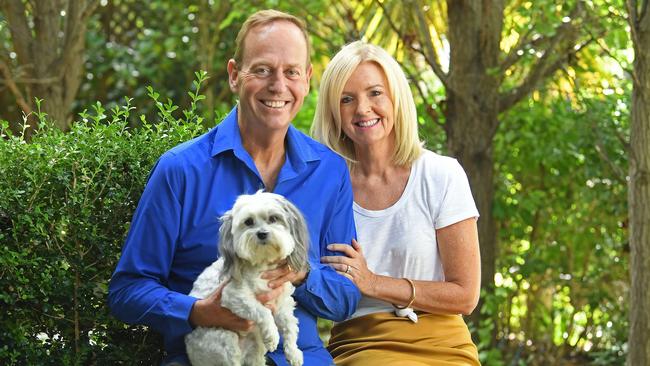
pixel 458 294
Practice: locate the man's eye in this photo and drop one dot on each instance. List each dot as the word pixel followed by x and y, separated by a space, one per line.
pixel 273 219
pixel 293 73
pixel 249 222
pixel 262 71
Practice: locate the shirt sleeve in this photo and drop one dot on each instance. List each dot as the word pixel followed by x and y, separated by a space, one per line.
pixel 137 292
pixel 325 293
pixel 457 202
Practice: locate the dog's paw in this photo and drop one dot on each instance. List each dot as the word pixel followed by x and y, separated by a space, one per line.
pixel 294 357
pixel 271 340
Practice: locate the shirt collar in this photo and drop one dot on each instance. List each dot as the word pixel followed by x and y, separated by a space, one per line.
pixel 299 150
pixel 227 135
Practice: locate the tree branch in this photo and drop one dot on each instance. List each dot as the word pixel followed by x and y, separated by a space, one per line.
pixel 33 80
pixel 8 80
pixel 632 19
pixel 330 26
pixel 545 66
pixel 21 35
pixel 644 11
pixel 609 53
pixel 46 16
pixel 89 9
pixel 430 111
pixel 71 59
pixel 540 72
pixel 428 52
pixel 619 173
pixel 76 17
pixel 513 56
pixel 428 46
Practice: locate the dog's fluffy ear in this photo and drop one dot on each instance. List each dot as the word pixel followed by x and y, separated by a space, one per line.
pixel 227 245
pixel 298 259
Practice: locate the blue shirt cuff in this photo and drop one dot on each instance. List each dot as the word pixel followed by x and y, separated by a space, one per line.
pixel 326 294
pixel 179 309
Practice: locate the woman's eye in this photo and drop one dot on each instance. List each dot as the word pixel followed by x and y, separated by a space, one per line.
pixel 375 93
pixel 346 100
pixel 249 222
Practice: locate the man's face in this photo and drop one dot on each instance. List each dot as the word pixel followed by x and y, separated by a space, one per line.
pixel 273 77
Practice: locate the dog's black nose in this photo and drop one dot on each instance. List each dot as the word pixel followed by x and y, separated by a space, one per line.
pixel 262 235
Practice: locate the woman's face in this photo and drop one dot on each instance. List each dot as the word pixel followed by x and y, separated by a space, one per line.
pixel 366 107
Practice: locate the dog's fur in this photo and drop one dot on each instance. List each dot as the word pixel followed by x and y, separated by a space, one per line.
pixel 260 230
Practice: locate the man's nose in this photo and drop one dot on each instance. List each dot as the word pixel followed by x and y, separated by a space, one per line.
pixel 277 82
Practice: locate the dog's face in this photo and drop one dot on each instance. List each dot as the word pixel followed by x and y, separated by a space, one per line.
pixel 260 229
pixel 264 228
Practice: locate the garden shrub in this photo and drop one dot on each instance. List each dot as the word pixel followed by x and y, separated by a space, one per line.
pixel 66 201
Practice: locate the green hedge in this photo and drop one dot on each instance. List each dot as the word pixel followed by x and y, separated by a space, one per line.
pixel 66 200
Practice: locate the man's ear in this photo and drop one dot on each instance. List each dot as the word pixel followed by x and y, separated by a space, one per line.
pixel 233 75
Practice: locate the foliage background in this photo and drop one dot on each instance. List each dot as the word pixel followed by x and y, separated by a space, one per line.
pixel 561 282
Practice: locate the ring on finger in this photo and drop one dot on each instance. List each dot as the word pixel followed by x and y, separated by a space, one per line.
pixel 289 266
pixel 347 270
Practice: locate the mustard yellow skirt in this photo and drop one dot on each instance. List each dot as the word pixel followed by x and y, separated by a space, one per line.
pixel 385 339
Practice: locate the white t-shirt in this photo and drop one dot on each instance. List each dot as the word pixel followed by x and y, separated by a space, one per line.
pixel 400 241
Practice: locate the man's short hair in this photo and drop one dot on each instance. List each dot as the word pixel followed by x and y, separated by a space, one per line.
pixel 264 17
pixel 327 119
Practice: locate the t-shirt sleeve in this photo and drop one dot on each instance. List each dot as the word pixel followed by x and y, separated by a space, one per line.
pixel 457 202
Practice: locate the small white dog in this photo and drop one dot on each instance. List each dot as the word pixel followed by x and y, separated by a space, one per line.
pixel 260 230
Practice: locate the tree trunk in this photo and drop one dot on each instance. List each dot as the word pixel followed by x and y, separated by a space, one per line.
pixel 472 111
pixel 50 50
pixel 209 20
pixel 206 55
pixel 639 191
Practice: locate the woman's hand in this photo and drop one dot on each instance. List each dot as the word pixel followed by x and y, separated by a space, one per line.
pixel 353 266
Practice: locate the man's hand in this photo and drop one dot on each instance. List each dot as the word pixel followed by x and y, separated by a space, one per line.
pixel 208 312
pixel 283 273
pixel 277 277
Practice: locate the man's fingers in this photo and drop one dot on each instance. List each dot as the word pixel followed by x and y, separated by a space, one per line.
pixel 271 306
pixel 243 325
pixel 277 283
pixel 216 295
pixel 268 296
pixel 277 272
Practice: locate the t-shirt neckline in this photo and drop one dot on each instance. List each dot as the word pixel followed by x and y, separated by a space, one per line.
pixel 395 206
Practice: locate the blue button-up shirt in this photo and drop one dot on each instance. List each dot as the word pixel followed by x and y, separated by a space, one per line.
pixel 174 233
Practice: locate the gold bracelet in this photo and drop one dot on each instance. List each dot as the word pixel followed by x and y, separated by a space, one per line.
pixel 412 299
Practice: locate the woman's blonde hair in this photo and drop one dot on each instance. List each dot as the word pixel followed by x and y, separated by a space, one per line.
pixel 327 120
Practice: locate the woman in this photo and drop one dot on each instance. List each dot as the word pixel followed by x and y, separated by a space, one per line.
pixel 417 260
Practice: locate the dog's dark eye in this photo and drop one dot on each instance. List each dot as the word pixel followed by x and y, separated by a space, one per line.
pixel 273 219
pixel 249 222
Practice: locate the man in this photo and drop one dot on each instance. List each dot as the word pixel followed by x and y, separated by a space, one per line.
pixel 174 231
